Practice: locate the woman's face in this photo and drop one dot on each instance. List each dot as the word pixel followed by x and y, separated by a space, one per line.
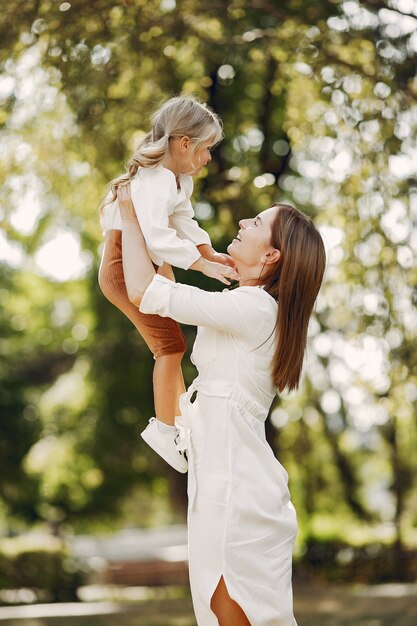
pixel 252 245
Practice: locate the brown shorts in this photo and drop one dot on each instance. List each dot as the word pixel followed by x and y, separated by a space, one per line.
pixel 162 335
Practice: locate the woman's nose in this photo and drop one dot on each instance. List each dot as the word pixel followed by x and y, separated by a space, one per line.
pixel 242 223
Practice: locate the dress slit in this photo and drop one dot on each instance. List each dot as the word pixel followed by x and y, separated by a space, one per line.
pixel 230 596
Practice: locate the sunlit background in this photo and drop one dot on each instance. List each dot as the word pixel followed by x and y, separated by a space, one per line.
pixel 319 109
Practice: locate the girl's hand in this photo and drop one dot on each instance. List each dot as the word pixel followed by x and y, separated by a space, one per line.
pixel 219 271
pixel 222 257
pixel 127 209
pixel 207 252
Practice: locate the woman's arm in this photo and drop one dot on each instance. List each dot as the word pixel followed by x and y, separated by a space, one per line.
pixel 242 312
pixel 138 269
pixel 137 265
pixel 245 312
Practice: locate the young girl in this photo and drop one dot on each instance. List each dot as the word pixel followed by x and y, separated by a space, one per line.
pixel 160 175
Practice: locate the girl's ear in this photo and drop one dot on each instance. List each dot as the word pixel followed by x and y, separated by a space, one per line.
pixel 184 143
pixel 271 257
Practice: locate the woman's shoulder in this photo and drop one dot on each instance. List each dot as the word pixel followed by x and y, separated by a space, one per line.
pixel 256 300
pixel 257 311
pixel 257 292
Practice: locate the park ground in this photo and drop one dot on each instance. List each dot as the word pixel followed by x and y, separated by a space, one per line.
pixel 341 605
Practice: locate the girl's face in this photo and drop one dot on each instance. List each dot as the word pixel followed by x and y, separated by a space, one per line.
pixel 252 246
pixel 192 159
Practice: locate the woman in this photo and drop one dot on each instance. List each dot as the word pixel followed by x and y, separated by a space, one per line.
pixel 250 342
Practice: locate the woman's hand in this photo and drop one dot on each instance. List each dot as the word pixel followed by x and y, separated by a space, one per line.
pixel 219 271
pixel 124 198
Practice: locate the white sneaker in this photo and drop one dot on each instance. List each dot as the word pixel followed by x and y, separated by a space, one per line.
pixel 164 443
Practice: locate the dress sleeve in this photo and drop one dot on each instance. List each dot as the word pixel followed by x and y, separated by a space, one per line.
pixel 153 196
pixel 242 311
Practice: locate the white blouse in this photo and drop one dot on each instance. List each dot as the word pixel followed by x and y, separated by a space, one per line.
pixel 165 215
pixel 236 331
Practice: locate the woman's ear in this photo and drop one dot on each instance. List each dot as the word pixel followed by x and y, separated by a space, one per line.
pixel 271 257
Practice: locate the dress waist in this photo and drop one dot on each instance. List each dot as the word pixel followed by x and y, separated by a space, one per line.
pixel 220 389
pixel 236 392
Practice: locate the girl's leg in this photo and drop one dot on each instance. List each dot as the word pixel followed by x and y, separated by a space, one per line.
pixel 162 335
pixel 168 385
pixel 168 382
pixel 227 611
pixel 166 341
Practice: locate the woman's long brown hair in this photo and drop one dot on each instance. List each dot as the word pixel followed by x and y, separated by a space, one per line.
pixel 294 282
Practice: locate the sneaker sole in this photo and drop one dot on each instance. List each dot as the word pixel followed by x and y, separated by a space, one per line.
pixel 162 453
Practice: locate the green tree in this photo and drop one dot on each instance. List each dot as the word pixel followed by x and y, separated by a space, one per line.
pixel 318 103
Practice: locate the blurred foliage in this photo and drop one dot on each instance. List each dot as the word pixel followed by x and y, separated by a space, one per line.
pixel 49 570
pixel 335 561
pixel 318 101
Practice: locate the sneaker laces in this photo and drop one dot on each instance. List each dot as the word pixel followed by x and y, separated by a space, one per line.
pixel 181 442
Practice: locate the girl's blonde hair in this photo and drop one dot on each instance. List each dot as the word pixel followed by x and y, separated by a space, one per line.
pixel 178 117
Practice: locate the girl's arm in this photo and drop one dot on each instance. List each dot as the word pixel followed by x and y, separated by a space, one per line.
pixel 187 227
pixel 167 271
pixel 138 273
pixel 184 222
pixel 153 194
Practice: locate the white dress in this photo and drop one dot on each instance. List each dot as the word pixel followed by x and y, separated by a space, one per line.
pixel 241 522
